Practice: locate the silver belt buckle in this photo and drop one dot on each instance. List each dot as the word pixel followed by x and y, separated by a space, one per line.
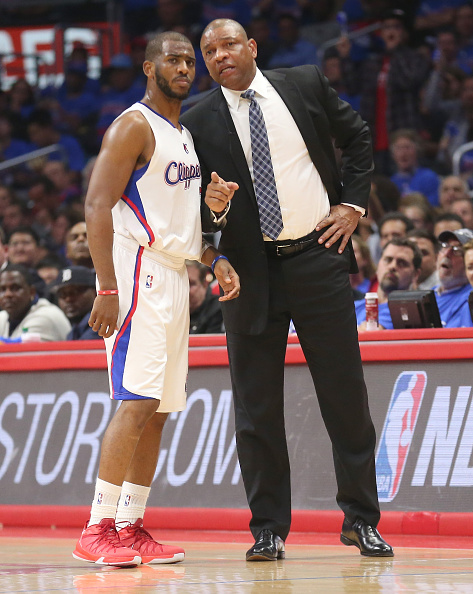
pixel 281 246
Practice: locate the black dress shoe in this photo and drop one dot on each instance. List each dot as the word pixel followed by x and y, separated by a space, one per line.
pixel 366 538
pixel 268 547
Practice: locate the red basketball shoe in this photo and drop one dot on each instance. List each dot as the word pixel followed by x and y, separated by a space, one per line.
pixel 100 544
pixel 135 537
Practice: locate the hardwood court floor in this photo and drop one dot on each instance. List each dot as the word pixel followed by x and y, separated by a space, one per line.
pixel 45 565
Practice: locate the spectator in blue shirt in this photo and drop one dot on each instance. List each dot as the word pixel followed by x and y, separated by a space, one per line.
pixel 293 51
pixel 398 269
pixel 42 133
pixel 121 92
pixel 11 147
pixel 73 105
pixel 453 289
pixel 409 177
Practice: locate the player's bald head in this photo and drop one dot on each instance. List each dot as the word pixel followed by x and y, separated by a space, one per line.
pixel 155 46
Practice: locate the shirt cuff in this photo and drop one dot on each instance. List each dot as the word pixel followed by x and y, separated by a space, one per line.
pixel 356 207
pixel 218 217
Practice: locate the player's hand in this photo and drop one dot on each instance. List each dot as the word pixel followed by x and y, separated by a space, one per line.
pixel 341 222
pixel 228 279
pixel 104 315
pixel 219 193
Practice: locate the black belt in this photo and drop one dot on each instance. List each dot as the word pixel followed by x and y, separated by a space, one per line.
pixel 289 247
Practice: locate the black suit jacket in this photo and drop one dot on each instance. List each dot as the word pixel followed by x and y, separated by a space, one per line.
pixel 322 119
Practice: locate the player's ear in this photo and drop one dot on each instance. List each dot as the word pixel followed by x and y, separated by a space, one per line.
pixel 148 68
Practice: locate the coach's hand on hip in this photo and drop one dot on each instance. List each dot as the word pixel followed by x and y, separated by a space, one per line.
pixel 341 222
pixel 219 193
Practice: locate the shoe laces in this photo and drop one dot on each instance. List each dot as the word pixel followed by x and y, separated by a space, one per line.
pixel 140 534
pixel 108 533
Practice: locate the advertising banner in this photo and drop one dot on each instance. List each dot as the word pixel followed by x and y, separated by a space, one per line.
pixel 52 422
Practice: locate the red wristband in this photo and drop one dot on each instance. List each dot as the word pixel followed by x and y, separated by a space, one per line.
pixel 109 292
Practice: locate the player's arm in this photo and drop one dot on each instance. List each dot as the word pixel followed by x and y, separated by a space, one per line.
pixel 124 144
pixel 226 275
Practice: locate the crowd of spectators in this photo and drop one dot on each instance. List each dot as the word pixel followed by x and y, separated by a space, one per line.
pixel 410 76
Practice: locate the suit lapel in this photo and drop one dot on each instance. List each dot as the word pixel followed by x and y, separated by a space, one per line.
pixel 236 150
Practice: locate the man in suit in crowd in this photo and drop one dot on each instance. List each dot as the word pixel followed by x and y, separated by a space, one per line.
pixel 288 235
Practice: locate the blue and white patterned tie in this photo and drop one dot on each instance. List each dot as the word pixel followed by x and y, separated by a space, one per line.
pixel 263 174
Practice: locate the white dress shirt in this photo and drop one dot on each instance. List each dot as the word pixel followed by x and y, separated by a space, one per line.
pixel 302 196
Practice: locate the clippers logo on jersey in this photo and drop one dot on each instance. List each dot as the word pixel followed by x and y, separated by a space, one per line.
pixel 126 503
pixel 99 498
pixel 398 430
pixel 176 173
pixel 149 281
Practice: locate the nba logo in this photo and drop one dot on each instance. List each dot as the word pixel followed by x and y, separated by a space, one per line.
pixel 149 281
pixel 398 430
pixel 99 499
pixel 126 503
pixel 185 147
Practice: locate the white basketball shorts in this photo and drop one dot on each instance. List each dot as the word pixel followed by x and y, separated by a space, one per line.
pixel 148 355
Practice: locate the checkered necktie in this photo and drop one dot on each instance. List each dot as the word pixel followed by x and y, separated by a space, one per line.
pixel 263 174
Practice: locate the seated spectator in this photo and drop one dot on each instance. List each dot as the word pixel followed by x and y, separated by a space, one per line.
pixel 120 92
pixel 447 52
pixel 457 130
pixel 448 221
pixel 393 224
pixel 11 147
pixel 429 247
pixel 72 104
pixel 60 175
pixel 49 267
pixel 409 176
pixel 468 257
pixel 452 187
pixel 23 312
pixel 398 269
pixel 15 214
pixel 21 103
pixel 362 280
pixel 75 292
pixel 259 29
pixel 205 312
pixel 332 68
pixel 77 246
pixel 23 247
pixel 42 133
pixel 292 50
pixel 418 210
pixel 453 289
pixel 463 207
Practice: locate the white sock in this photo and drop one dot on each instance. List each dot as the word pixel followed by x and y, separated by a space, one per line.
pixel 105 501
pixel 132 503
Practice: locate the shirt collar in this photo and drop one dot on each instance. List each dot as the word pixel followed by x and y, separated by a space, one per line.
pixel 259 84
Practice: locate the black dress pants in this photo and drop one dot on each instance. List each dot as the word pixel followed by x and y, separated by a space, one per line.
pixel 313 288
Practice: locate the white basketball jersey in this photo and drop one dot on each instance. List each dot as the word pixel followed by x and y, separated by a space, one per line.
pixel 160 207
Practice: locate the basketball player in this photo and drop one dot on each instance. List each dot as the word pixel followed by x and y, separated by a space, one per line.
pixel 143 222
